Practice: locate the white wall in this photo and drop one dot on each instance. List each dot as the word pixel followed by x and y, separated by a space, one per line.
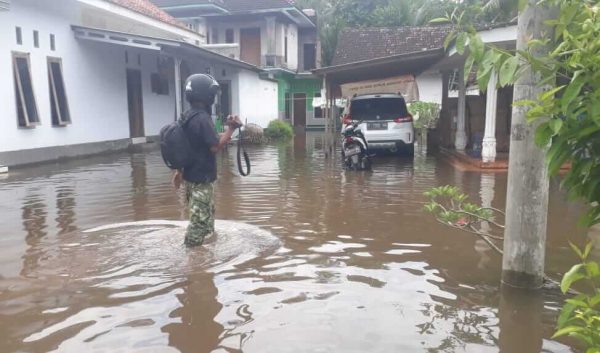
pixel 94 76
pixel 257 99
pixel 292 30
pixel 292 35
pixel 430 87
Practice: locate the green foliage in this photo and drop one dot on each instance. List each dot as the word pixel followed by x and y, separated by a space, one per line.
pixel 451 206
pixel 567 113
pixel 279 129
pixel 426 114
pixel 580 317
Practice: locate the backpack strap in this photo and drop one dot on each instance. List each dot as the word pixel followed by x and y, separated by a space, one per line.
pixel 184 121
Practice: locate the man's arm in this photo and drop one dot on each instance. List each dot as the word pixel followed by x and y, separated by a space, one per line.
pixel 224 138
pixel 233 122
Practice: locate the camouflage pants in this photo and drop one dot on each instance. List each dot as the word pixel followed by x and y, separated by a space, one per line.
pixel 202 212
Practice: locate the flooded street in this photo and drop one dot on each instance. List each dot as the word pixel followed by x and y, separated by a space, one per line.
pixel 92 260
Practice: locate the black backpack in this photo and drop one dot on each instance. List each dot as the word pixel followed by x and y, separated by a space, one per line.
pixel 174 145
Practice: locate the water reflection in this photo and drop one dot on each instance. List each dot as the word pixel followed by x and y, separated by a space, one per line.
pixel 65 205
pixel 359 266
pixel 521 326
pixel 195 329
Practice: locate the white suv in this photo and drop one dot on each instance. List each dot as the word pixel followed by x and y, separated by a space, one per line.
pixel 386 122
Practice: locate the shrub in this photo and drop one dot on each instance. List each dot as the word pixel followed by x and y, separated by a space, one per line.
pixel 279 129
pixel 426 114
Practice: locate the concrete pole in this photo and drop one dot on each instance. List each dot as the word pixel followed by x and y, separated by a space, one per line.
pixel 178 96
pixel 488 152
pixel 486 192
pixel 527 196
pixel 460 142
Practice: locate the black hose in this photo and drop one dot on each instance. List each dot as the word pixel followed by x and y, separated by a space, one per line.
pixel 241 150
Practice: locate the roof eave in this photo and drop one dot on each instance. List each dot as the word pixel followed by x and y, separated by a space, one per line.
pixel 382 60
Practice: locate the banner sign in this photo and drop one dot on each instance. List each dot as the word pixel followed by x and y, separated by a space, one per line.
pixel 405 85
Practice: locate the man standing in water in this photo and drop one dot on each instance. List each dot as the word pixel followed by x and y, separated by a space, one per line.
pixel 200 92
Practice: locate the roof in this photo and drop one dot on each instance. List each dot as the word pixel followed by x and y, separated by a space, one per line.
pixel 219 9
pixel 361 44
pixel 147 8
pixel 165 45
pixel 394 65
pixel 254 5
pixel 231 5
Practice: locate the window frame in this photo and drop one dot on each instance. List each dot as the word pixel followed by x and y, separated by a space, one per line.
pixel 19 90
pixel 317 95
pixel 61 122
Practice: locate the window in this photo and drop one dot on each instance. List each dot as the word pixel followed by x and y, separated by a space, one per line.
pixel 378 109
pixel 229 38
pixel 59 105
pixel 19 36
pixel 310 57
pixel 285 49
pixel 36 39
pixel 52 42
pixel 160 84
pixel 27 111
pixel 318 110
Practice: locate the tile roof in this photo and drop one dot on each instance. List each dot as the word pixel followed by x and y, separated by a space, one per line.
pixel 147 8
pixel 360 44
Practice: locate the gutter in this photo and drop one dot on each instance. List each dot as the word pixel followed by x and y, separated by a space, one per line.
pixel 196 6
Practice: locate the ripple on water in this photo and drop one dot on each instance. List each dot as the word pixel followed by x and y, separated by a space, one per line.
pixel 139 267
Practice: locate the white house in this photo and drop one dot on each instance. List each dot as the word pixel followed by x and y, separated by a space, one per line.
pixel 271 34
pixel 88 76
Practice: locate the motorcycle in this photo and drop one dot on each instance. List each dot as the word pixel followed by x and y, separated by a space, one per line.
pixel 355 149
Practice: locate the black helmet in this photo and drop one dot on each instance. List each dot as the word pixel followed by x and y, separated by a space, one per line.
pixel 201 88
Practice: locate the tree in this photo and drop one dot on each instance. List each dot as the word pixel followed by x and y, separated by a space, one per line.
pixel 564 108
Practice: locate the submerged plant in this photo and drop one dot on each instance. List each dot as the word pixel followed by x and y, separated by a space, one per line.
pixel 279 129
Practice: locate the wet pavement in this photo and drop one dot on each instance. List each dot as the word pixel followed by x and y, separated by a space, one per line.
pixel 310 259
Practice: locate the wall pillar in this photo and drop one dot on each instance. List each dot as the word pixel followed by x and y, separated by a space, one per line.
pixel 488 152
pixel 271 42
pixel 460 142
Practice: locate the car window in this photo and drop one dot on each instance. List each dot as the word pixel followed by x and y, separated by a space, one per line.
pixel 378 108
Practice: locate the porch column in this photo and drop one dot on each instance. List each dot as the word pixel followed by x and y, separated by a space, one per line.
pixel 271 42
pixel 488 152
pixel 460 142
pixel 178 96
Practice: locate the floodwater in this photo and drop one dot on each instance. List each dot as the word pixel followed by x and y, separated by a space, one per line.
pixel 309 258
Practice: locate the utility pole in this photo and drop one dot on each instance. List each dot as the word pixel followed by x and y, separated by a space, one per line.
pixel 527 199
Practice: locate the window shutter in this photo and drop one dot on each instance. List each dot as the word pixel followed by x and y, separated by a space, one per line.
pixel 4 5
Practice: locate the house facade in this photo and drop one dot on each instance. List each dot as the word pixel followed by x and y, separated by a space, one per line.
pixel 474 123
pixel 271 34
pixel 89 76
